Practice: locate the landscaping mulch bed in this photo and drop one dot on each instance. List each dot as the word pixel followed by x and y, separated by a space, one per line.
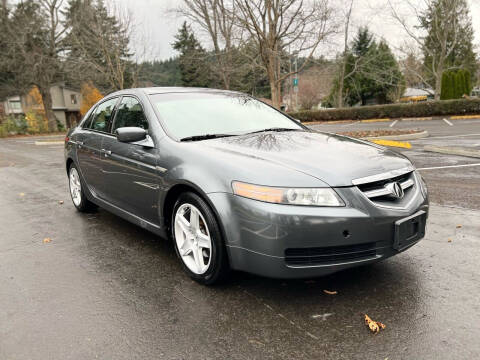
pixel 379 133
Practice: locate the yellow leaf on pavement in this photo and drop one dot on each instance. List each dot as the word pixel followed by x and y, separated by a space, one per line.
pixel 374 326
pixel 47 240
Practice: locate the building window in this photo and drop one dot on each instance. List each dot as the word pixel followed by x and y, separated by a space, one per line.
pixel 15 105
pixel 73 98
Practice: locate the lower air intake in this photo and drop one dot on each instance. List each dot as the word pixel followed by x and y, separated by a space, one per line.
pixel 330 255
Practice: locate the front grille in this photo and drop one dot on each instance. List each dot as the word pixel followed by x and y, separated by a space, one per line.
pixel 377 192
pixel 330 255
pixel 380 184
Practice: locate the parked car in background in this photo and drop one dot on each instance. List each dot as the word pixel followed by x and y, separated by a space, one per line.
pixel 236 184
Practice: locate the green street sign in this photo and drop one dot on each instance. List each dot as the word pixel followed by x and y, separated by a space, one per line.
pixel 295 82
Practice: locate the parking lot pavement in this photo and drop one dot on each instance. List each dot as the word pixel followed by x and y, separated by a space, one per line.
pixel 104 288
pixel 434 127
pixel 455 180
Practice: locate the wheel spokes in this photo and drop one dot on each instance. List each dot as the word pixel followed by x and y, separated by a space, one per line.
pixel 184 224
pixel 203 240
pixel 194 220
pixel 198 257
pixel 192 238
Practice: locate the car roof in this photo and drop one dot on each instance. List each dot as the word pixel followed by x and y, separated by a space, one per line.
pixel 169 89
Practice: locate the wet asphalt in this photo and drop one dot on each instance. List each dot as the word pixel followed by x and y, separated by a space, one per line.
pixel 103 288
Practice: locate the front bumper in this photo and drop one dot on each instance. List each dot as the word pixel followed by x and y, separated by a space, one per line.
pixel 268 239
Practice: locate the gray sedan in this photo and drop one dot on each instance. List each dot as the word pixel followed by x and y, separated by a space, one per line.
pixel 236 184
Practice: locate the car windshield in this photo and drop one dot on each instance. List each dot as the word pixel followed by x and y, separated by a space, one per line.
pixel 196 114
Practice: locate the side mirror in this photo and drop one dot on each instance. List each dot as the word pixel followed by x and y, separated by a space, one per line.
pixel 130 134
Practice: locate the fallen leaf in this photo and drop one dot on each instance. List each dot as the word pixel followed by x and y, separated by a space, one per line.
pixel 330 292
pixel 449 240
pixel 21 194
pixel 459 226
pixel 47 240
pixel 60 202
pixel 256 342
pixel 374 326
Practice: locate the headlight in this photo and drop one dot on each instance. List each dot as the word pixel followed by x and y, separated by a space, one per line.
pixel 423 184
pixel 291 196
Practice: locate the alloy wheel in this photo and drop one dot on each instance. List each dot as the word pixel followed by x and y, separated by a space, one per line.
pixel 193 238
pixel 75 187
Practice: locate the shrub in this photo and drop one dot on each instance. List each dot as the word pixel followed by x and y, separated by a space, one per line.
pixel 421 109
pixel 13 126
pixel 455 84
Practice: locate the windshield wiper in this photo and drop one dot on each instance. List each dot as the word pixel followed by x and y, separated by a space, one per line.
pixel 277 129
pixel 204 137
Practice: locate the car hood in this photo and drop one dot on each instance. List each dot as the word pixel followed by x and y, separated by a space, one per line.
pixel 334 159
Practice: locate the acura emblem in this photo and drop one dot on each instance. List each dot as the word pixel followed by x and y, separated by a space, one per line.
pixel 395 190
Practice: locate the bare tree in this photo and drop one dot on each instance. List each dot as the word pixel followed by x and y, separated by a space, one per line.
pixel 315 84
pixel 445 31
pixel 343 61
pixel 278 25
pixel 56 32
pixel 32 57
pixel 215 18
pixel 98 45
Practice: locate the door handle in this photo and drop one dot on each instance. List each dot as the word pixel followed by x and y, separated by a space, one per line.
pixel 107 152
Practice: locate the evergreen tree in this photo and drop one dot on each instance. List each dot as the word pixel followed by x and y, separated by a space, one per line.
pixel 98 45
pixel 31 57
pixel 372 72
pixel 160 73
pixel 462 54
pixel 455 84
pixel 193 59
pixel 362 42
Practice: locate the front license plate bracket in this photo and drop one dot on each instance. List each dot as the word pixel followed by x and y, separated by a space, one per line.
pixel 409 230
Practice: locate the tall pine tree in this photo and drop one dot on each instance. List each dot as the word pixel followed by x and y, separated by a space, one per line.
pixel 193 59
pixel 372 72
pixel 448 20
pixel 97 44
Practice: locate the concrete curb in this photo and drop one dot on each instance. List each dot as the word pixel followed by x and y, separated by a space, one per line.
pixel 455 117
pixel 453 150
pixel 414 136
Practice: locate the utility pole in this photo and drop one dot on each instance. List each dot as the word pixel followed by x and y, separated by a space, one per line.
pixel 295 81
pixel 289 80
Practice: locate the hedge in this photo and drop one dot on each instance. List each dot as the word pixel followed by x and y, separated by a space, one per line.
pixel 421 109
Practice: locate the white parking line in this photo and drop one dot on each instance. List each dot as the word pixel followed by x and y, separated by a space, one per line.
pixel 449 136
pixel 350 124
pixel 448 122
pixel 393 123
pixel 449 166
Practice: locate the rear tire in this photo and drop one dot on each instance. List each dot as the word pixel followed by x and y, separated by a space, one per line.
pixel 198 240
pixel 77 194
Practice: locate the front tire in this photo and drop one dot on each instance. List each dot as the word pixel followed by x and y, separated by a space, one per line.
pixel 198 240
pixel 77 194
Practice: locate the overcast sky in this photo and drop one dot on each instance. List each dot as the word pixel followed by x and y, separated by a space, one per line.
pixel 160 25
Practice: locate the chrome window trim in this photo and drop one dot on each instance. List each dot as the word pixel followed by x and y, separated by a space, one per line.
pixel 383 176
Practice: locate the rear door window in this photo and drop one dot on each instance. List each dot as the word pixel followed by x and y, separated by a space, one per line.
pixel 103 116
pixel 130 113
pixel 86 123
